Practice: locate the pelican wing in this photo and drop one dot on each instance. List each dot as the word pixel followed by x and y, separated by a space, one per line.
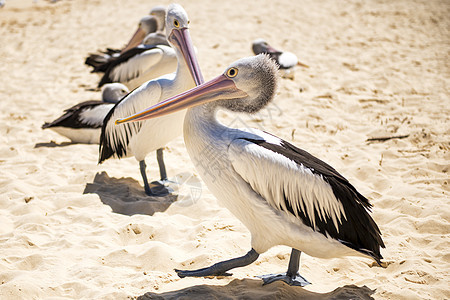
pixel 131 64
pixel 287 60
pixel 295 182
pixel 100 61
pixel 114 139
pixel 87 114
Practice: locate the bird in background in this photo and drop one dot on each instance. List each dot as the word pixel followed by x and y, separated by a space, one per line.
pixel 139 139
pixel 82 122
pixel 152 24
pixel 287 61
pixel 281 193
pixel 140 64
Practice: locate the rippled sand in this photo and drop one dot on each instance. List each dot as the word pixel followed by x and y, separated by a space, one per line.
pixel 72 228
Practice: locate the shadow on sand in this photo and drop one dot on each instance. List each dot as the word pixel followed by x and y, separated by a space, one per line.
pixel 126 196
pixel 52 144
pixel 253 289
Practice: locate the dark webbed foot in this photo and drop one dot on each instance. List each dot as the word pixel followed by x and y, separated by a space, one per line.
pixel 295 280
pixel 291 277
pixel 159 189
pixel 221 268
pixel 201 272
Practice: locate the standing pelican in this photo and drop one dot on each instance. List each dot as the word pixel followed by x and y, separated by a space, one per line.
pixel 139 139
pixel 82 123
pixel 153 24
pixel 285 60
pixel 282 194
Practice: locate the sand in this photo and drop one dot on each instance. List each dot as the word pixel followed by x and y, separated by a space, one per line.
pixel 73 229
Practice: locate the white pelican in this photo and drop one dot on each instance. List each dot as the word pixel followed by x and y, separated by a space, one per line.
pixel 139 139
pixel 159 14
pixel 282 194
pixel 140 64
pixel 153 23
pixel 82 123
pixel 285 60
pixel 155 38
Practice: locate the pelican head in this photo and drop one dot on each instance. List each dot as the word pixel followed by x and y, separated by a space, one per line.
pixel 146 25
pixel 261 46
pixel 177 32
pixel 159 12
pixel 286 60
pixel 113 92
pixel 247 85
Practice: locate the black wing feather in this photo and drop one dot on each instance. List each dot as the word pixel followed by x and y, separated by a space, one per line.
pixel 71 116
pixel 359 231
pixel 124 57
pixel 105 149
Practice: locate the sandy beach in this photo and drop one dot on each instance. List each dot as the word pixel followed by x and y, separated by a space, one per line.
pixel 73 229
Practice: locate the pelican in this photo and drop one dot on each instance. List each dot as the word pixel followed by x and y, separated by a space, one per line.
pixel 82 123
pixel 285 60
pixel 155 38
pixel 139 139
pixel 140 64
pixel 159 15
pixel 148 25
pixel 282 194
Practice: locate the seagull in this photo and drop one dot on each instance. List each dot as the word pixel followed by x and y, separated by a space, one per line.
pixel 82 123
pixel 139 139
pixel 152 25
pixel 285 60
pixel 281 193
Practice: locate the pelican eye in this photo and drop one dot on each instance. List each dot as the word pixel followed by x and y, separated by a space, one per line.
pixel 176 23
pixel 232 72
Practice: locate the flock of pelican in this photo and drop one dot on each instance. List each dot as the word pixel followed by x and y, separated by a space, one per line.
pixel 281 193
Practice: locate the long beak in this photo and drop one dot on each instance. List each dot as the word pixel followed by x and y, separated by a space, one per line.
pixel 221 87
pixel 135 40
pixel 271 49
pixel 181 39
pixel 302 65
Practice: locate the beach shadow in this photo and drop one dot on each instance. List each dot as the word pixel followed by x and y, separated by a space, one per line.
pixel 52 144
pixel 253 289
pixel 126 196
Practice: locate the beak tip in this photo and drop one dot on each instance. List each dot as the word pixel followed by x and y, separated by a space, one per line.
pixel 117 122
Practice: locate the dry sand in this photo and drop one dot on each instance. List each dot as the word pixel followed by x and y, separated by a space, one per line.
pixel 70 228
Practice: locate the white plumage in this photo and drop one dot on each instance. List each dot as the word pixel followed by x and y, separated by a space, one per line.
pixel 276 178
pixel 251 182
pixel 82 123
pixel 148 25
pixel 139 139
pixel 282 194
pixel 285 60
pixel 150 64
pixel 135 138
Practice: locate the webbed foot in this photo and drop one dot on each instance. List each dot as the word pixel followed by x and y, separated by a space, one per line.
pixel 296 280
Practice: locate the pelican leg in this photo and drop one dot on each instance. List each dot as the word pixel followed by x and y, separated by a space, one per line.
pixel 162 166
pixel 221 268
pixel 159 186
pixel 142 167
pixel 159 191
pixel 291 277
